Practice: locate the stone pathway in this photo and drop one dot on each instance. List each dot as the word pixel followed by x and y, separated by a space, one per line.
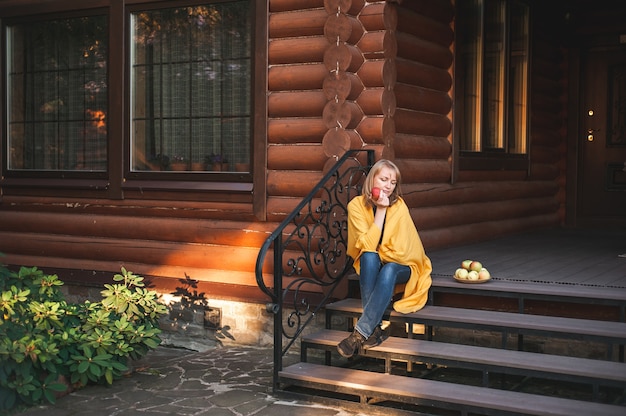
pixel 225 381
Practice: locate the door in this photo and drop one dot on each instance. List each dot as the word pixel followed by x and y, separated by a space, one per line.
pixel 602 173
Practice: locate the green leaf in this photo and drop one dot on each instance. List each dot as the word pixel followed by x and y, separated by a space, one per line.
pixel 50 396
pixel 95 369
pixel 108 375
pixel 83 366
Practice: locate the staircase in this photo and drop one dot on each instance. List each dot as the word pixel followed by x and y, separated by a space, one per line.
pixel 406 373
pixel 425 373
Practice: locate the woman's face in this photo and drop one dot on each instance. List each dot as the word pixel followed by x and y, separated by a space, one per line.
pixel 385 179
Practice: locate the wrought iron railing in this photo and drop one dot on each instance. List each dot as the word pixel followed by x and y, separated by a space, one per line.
pixel 309 252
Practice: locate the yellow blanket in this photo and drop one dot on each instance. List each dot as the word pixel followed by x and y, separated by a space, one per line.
pixel 400 244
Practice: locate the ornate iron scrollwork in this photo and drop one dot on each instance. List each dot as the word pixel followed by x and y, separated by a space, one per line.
pixel 309 249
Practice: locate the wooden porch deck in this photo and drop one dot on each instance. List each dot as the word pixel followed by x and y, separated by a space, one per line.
pixel 571 256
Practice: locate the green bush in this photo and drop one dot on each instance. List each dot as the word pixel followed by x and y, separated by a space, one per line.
pixel 48 345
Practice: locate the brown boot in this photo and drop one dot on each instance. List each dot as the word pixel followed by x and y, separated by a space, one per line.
pixel 351 345
pixel 377 338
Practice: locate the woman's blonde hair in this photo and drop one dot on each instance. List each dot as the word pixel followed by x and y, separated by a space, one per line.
pixel 369 180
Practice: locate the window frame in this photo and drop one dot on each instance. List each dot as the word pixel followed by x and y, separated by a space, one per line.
pixel 117 182
pixel 34 178
pixel 493 159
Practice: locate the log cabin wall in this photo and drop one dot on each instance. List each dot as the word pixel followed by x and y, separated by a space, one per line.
pixel 341 74
pixel 453 206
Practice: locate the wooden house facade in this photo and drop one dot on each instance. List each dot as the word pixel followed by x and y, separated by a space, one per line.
pixel 503 116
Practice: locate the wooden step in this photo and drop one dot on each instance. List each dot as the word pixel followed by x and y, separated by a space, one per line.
pixel 369 385
pixel 593 372
pixel 608 332
pixel 554 291
pixel 578 294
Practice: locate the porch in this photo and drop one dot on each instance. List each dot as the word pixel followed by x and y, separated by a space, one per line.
pixel 556 256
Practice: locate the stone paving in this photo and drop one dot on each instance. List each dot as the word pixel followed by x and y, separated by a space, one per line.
pixel 224 381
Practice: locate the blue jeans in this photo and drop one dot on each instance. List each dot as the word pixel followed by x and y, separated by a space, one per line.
pixel 377 283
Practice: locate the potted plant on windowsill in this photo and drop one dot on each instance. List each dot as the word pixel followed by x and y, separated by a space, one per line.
pixel 179 163
pixel 217 162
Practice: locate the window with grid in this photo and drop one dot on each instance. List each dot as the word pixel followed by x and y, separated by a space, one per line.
pixel 493 77
pixel 191 88
pixel 57 95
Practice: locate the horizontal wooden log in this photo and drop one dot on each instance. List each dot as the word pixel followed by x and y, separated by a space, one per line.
pixel 201 231
pixel 296 104
pixel 424 170
pixel 297 50
pixel 342 85
pixel 279 207
pixel 441 11
pixel 416 73
pixel 351 7
pixel 342 114
pixel 379 16
pixel 546 121
pixel 377 130
pixel 542 154
pixel 418 98
pixel 479 212
pixel 378 73
pixel 547 103
pixel 289 5
pixel 470 233
pixel 422 147
pixel 543 137
pixel 544 171
pixel 295 130
pixel 545 86
pixel 422 123
pixel 377 101
pixel 176 207
pixel 128 250
pixel 419 50
pixel 291 183
pixel 296 77
pixel 305 22
pixel 343 28
pixel 491 175
pixel 425 27
pixel 343 57
pixel 215 284
pixel 296 157
pixel 425 195
pixel 547 68
pixel 378 45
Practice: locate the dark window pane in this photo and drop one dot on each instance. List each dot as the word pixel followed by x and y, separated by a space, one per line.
pixel 57 82
pixel 191 87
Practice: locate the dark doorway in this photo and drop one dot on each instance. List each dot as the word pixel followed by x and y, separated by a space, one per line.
pixel 602 136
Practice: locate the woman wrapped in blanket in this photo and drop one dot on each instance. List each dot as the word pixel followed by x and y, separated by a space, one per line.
pixel 387 250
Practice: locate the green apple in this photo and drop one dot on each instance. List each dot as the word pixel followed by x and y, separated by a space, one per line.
pixel 466 264
pixel 461 273
pixel 475 266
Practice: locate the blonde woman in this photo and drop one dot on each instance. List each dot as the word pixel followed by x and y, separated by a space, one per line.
pixel 387 250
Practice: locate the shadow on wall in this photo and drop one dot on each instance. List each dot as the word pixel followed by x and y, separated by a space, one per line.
pixel 192 323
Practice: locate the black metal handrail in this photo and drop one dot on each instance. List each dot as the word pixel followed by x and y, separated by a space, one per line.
pixel 309 252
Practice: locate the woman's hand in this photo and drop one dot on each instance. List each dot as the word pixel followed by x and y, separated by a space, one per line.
pixel 380 198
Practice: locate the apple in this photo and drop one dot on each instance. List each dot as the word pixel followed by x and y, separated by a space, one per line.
pixel 472 275
pixel 484 274
pixel 461 273
pixel 466 264
pixel 375 193
pixel 475 266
